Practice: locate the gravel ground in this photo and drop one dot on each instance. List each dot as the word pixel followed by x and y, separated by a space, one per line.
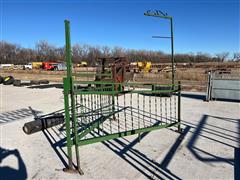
pixel 208 148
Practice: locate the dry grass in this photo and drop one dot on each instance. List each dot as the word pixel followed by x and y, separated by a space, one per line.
pixel 194 79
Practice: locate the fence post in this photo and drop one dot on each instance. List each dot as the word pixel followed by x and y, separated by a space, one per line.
pixel 208 96
pixel 66 85
pixel 67 89
pixel 70 90
pixel 179 106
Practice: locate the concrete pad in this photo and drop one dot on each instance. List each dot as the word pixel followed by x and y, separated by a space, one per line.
pixel 207 148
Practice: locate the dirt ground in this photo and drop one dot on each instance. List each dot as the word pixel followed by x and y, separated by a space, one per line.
pixel 192 78
pixel 208 148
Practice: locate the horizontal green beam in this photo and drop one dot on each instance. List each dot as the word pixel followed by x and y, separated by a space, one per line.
pixel 124 84
pixel 96 82
pixel 92 74
pixel 157 15
pixel 147 92
pixel 122 134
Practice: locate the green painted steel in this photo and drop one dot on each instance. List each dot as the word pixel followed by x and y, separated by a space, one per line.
pixel 86 74
pixel 97 111
pixel 164 16
pixel 123 134
pixel 95 124
pixel 124 83
pixel 179 107
pixel 68 84
pixel 111 92
pixel 67 121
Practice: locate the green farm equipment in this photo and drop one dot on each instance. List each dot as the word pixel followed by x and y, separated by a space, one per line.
pixel 100 111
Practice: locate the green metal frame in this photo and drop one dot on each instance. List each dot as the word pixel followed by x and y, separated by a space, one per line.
pixel 76 134
pixel 159 14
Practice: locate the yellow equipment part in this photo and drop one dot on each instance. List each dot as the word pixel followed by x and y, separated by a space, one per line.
pixel 147 67
pixel 144 66
pixel 36 65
pixel 6 78
pixel 82 64
pixel 140 64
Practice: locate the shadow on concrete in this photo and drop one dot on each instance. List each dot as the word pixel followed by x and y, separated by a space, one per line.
pixel 159 170
pixel 140 161
pixel 193 96
pixel 145 165
pixel 46 86
pixel 16 115
pixel 203 97
pixel 203 155
pixel 7 172
pixel 57 146
pixel 227 100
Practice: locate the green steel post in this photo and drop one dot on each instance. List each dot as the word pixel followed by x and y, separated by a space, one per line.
pixel 172 51
pixel 67 88
pixel 69 78
pixel 172 44
pixel 75 130
pixel 179 106
pixel 113 101
pixel 68 49
pixel 67 119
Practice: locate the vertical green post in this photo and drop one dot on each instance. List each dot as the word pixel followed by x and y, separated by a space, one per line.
pixel 67 88
pixel 172 51
pixel 68 49
pixel 113 101
pixel 165 16
pixel 69 81
pixel 179 106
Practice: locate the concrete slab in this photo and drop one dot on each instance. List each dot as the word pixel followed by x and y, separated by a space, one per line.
pixel 207 148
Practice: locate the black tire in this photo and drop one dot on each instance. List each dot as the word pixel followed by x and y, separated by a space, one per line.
pixel 44 81
pixel 33 82
pixel 8 80
pixel 1 79
pixel 17 83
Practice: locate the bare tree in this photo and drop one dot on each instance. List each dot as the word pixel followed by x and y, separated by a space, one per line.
pixel 45 51
pixel 106 51
pixel 222 56
pixel 236 56
pixel 118 52
pixel 12 53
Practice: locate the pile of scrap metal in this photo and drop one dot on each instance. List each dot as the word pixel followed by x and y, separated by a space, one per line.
pixel 112 69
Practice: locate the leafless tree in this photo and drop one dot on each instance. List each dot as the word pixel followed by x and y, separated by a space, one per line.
pixel 12 53
pixel 236 56
pixel 222 56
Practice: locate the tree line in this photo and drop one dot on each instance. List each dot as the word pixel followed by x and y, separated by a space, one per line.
pixel 15 54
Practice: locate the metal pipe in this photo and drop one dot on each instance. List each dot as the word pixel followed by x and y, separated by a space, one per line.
pixel 66 86
pixel 172 51
pixel 179 106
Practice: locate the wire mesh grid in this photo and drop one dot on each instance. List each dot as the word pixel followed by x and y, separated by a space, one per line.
pixel 126 112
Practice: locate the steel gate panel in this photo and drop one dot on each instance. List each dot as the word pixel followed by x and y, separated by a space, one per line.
pixel 226 89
